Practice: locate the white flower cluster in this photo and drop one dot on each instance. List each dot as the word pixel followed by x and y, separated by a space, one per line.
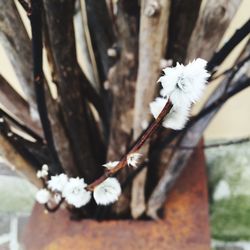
pixel 73 190
pixel 183 86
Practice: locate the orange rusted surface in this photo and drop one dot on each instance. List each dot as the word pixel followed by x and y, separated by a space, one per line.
pixel 185 226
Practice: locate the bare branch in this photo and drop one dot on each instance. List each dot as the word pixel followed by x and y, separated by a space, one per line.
pixel 14 39
pixel 154 20
pixel 183 17
pixel 210 27
pixel 14 103
pixel 73 106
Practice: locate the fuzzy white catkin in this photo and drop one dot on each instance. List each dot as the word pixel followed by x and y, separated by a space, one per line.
pixel 58 182
pixel 182 85
pixel 42 196
pixel 75 193
pixel 175 119
pixel 107 192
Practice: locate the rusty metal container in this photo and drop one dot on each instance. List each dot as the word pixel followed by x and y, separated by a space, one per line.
pixel 185 226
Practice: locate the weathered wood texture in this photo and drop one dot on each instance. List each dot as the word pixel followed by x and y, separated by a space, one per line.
pixel 153 20
pixel 183 17
pixel 14 38
pixel 14 103
pixel 102 35
pixel 211 25
pixel 73 106
pixel 121 78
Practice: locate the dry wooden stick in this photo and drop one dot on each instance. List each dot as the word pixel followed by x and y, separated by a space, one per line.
pixel 210 27
pixel 183 17
pixel 121 80
pixel 13 37
pixel 153 20
pixel 36 29
pixel 14 103
pixel 72 97
pixel 236 38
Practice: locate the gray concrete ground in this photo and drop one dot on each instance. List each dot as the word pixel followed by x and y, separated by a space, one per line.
pixel 17 199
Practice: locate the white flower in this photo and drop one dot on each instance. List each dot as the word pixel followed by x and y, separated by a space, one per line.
pixel 58 182
pixel 107 192
pixel 184 84
pixel 110 164
pixel 134 159
pixel 175 119
pixel 43 172
pixel 42 196
pixel 75 193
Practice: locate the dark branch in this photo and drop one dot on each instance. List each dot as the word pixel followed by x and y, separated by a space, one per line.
pixel 237 37
pixel 36 29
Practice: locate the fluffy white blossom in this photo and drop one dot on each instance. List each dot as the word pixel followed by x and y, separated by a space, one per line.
pixel 184 84
pixel 58 182
pixel 175 119
pixel 110 164
pixel 43 172
pixel 107 192
pixel 75 193
pixel 42 196
pixel 134 159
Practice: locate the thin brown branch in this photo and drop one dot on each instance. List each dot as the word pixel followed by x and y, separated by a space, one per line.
pixel 137 146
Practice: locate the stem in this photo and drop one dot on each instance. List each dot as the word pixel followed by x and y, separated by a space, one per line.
pixel 237 37
pixel 36 28
pixel 140 142
pixel 55 208
pixel 22 126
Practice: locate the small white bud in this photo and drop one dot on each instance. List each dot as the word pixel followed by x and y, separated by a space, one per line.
pixel 110 164
pixel 134 159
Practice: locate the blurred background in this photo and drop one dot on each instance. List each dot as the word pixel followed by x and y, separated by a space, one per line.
pixel 228 166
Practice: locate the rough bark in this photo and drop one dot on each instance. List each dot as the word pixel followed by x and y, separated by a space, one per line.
pixel 59 16
pixel 183 17
pixel 210 27
pixel 13 103
pixel 85 52
pixel 122 77
pixel 14 38
pixel 154 20
pixel 102 36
